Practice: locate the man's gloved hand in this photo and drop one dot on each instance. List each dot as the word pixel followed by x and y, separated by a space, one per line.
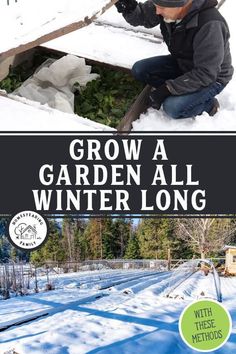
pixel 126 6
pixel 158 96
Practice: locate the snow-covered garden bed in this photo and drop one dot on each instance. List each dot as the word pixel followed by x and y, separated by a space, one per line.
pixel 133 316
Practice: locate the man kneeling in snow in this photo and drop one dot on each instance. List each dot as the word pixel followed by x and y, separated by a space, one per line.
pixel 199 65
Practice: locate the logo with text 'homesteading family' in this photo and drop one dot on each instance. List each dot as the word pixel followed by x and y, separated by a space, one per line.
pixel 27 230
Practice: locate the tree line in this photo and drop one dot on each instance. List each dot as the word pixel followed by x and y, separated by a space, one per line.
pixel 79 239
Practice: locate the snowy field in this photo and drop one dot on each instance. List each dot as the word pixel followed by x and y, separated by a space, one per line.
pixel 122 311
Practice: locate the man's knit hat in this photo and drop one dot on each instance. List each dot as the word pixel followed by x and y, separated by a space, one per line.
pixel 170 3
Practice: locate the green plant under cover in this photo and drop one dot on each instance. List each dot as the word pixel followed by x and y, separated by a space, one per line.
pixel 12 81
pixel 105 100
pixel 22 72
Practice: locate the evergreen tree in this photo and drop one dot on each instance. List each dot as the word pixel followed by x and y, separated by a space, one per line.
pixel 3 226
pixel 93 237
pixel 52 250
pixel 4 248
pixel 13 254
pixel 121 230
pixel 4 243
pixel 100 239
pixel 132 250
pixel 107 246
pixel 153 236
pixel 108 239
pixel 37 257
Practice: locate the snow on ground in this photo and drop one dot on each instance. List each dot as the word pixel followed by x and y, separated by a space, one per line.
pixel 69 289
pixel 224 120
pixel 131 317
pixel 31 116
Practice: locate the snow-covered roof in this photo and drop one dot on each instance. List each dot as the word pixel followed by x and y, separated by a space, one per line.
pixel 227 247
pixel 111 40
pixel 28 23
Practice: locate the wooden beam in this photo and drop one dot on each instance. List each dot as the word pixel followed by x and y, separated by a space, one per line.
pixel 57 33
pixel 220 3
pixel 139 106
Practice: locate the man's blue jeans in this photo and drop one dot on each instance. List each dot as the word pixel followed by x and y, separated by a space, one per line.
pixel 155 71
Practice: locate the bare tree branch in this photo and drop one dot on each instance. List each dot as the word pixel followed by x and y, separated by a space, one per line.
pixel 206 235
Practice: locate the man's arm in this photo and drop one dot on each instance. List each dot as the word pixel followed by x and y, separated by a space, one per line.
pixel 138 14
pixel 209 50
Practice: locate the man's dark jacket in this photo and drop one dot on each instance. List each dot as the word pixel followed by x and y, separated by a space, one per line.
pixel 199 43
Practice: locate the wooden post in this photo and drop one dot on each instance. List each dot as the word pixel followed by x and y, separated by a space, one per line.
pixel 36 280
pixel 169 258
pixel 220 3
pixel 139 106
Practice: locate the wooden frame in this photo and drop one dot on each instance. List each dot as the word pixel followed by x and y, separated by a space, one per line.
pixel 56 33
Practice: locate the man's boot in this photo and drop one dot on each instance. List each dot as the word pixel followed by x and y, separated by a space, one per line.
pixel 215 108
